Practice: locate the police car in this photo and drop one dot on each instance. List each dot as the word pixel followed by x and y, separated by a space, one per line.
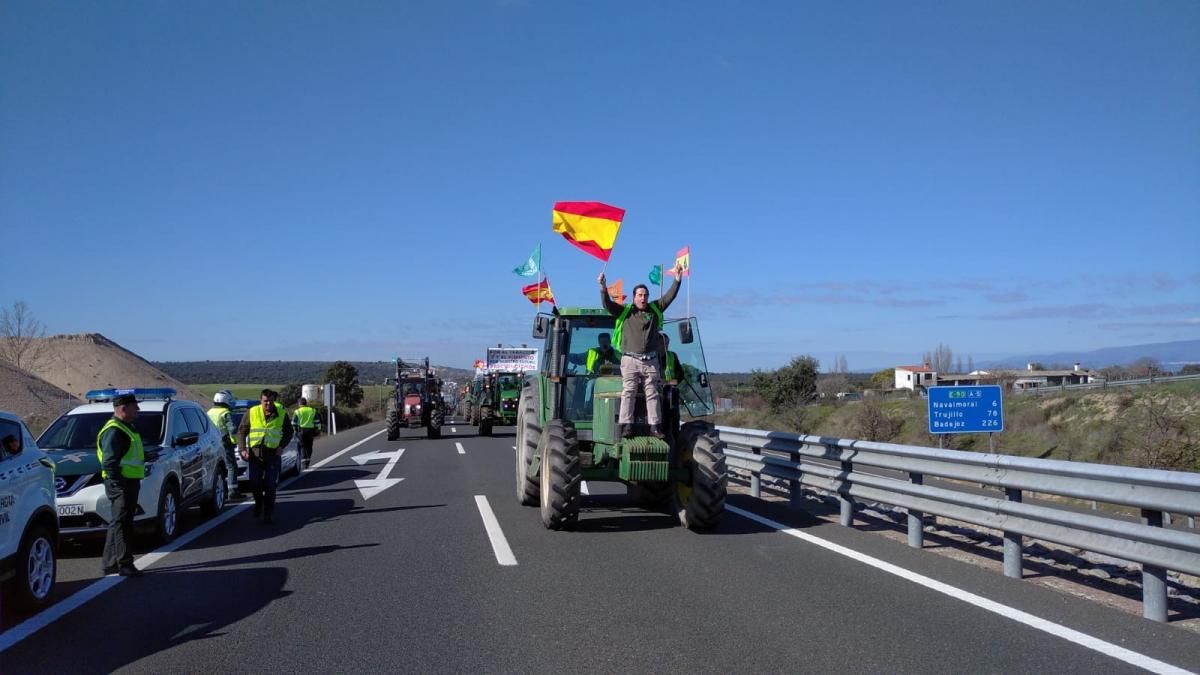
pixel 28 523
pixel 289 458
pixel 185 463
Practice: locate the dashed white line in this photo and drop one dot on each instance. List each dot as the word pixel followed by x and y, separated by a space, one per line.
pixel 504 554
pixel 1037 623
pixel 583 487
pixel 453 430
pixel 460 448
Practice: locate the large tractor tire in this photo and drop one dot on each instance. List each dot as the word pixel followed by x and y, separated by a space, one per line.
pixel 701 501
pixel 393 422
pixel 485 427
pixel 528 433
pixel 561 476
pixel 436 419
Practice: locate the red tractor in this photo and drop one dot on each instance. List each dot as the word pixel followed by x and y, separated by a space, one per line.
pixel 416 400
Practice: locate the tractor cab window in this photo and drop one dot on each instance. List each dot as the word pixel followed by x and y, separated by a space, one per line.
pixel 411 388
pixel 694 392
pixel 508 381
pixel 584 339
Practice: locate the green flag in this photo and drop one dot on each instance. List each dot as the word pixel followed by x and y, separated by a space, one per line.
pixel 530 267
pixel 656 275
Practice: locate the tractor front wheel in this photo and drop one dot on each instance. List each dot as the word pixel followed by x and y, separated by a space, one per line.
pixel 560 477
pixel 528 433
pixel 436 418
pixel 393 423
pixel 700 501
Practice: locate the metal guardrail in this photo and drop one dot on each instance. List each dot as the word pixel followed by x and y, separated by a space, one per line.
pixel 1156 492
pixel 1108 385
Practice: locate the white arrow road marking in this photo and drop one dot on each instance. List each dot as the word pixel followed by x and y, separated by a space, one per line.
pixel 504 554
pixel 583 487
pixel 460 449
pixel 372 487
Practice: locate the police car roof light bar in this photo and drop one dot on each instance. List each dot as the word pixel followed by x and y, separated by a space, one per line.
pixel 102 395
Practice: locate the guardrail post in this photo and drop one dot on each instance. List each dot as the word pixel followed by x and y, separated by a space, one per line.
pixel 1154 579
pixel 756 477
pixel 794 485
pixel 916 519
pixel 846 517
pixel 1013 542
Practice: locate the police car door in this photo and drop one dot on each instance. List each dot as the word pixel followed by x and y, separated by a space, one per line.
pixel 15 481
pixel 193 457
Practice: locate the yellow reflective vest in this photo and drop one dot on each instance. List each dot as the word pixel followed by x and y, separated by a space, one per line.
pixel 306 417
pixel 133 464
pixel 219 415
pixel 594 357
pixel 264 432
pixel 619 328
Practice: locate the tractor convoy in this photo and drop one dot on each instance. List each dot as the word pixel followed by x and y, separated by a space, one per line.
pixel 416 399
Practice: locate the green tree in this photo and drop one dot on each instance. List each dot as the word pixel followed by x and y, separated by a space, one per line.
pixel 289 395
pixel 344 377
pixel 793 385
pixel 884 379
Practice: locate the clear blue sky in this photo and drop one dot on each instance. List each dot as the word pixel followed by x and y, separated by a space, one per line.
pixel 300 180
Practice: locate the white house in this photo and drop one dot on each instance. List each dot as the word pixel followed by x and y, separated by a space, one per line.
pixel 911 377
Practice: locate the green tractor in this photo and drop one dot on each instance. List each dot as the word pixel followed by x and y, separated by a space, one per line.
pixel 495 401
pixel 567 428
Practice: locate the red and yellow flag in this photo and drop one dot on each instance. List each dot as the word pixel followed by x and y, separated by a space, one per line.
pixel 683 258
pixel 616 292
pixel 591 226
pixel 539 292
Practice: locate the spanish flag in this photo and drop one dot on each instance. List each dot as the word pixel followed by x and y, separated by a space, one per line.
pixel 591 226
pixel 539 292
pixel 683 258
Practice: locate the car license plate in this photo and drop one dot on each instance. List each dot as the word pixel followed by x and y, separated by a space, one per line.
pixel 70 509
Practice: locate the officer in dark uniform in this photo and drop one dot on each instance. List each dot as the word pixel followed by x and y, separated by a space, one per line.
pixel 123 466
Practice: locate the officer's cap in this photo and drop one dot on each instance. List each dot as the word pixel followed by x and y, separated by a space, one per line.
pixel 124 399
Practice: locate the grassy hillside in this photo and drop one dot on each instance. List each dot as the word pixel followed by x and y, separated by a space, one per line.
pixel 1151 426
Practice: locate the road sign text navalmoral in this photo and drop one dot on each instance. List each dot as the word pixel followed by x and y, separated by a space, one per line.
pixel 965 410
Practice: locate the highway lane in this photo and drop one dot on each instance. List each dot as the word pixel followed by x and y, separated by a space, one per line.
pixel 408 580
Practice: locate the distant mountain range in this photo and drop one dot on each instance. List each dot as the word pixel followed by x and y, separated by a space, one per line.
pixel 1172 355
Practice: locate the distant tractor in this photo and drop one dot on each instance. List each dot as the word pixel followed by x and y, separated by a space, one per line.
pixel 567 428
pixel 416 400
pixel 495 398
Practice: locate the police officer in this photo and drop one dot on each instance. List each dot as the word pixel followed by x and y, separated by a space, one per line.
pixel 222 419
pixel 308 425
pixel 122 466
pixel 263 432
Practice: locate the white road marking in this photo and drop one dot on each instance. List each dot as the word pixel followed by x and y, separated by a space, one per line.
pixel 504 554
pixel 514 447
pixel 371 487
pixel 76 600
pixel 460 448
pixel 453 430
pixel 583 487
pixel 1037 623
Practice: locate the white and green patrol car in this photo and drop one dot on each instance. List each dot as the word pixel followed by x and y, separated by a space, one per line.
pixel 185 463
pixel 28 523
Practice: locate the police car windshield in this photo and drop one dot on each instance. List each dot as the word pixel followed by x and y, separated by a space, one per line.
pixel 78 432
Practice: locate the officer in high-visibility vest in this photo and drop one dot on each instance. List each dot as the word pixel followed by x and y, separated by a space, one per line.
pixel 222 419
pixel 308 425
pixel 672 370
pixel 264 431
pixel 122 467
pixel 636 335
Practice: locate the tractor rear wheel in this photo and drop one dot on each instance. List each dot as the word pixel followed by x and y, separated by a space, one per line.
pixel 528 434
pixel 436 419
pixel 393 422
pixel 700 502
pixel 560 477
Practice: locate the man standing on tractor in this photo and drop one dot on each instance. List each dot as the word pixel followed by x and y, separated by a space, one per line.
pixel 637 337
pixel 308 425
pixel 222 419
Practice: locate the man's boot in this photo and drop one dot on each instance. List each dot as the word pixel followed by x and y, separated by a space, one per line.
pixel 658 432
pixel 626 430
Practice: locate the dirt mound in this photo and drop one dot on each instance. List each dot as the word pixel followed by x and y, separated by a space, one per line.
pixel 37 401
pixel 78 363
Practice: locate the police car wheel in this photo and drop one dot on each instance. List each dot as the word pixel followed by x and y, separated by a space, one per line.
pixel 168 515
pixel 37 566
pixel 216 500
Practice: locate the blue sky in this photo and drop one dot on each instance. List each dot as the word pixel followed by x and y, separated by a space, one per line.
pixel 300 180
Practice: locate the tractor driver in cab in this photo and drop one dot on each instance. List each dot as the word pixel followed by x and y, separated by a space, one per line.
pixel 672 370
pixel 603 355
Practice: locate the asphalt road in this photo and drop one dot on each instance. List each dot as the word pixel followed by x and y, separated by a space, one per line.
pixel 408 580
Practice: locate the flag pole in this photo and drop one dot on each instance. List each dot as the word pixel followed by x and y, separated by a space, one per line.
pixel 661 271
pixel 689 276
